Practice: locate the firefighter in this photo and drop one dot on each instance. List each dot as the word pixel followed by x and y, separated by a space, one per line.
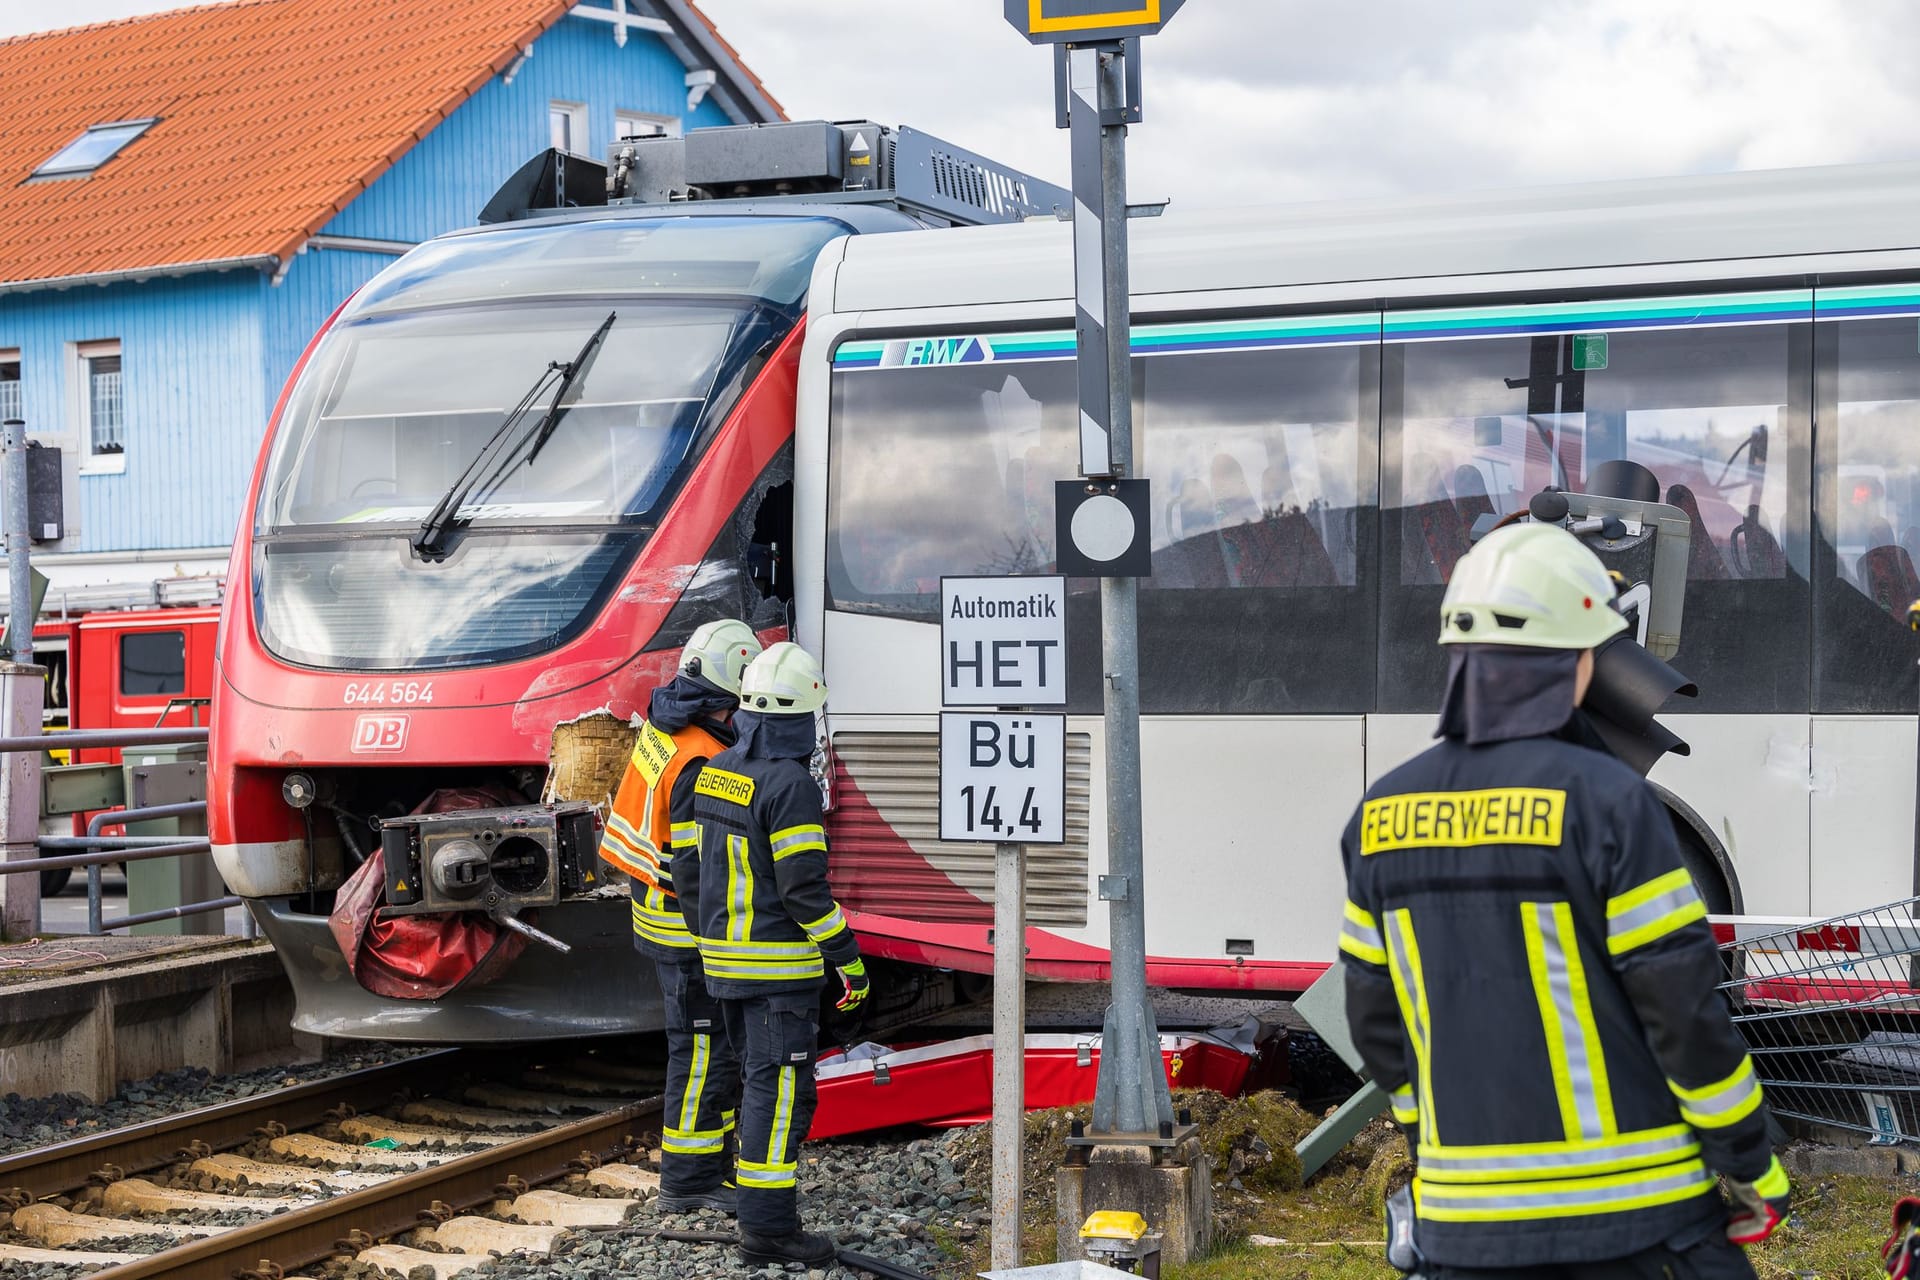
pixel 1529 971
pixel 687 724
pixel 755 894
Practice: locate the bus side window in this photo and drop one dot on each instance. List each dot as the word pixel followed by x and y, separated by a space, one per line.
pixel 1867 505
pixel 153 663
pixel 1714 411
pixel 1261 461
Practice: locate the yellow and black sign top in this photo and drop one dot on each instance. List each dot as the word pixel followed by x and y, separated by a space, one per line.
pixel 1458 819
pixel 722 785
pixel 1083 21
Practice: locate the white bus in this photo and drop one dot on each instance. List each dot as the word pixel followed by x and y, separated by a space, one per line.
pixel 1326 397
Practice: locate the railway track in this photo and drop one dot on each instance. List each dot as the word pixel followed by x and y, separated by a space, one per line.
pixel 338 1166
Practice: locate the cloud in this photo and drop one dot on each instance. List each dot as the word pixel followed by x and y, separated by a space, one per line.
pixel 1271 101
pixel 1262 101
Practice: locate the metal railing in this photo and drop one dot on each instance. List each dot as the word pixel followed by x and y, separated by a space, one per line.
pixel 95 850
pixel 70 739
pixel 1830 1011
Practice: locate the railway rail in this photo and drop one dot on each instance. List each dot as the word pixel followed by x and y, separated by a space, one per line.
pixel 325 1196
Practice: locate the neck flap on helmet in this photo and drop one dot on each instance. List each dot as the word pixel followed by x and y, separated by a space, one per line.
pixel 1496 693
pixel 684 699
pixel 764 736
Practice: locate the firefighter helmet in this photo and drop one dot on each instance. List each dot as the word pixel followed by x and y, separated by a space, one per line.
pixel 1534 585
pixel 783 681
pixel 719 652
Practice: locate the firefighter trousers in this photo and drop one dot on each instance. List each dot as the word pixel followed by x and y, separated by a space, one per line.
pixel 777 1037
pixel 703 1083
pixel 1710 1259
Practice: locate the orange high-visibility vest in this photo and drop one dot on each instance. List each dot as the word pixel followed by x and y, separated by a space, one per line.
pixel 639 834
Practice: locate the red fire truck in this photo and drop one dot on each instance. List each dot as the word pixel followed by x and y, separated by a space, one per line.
pixel 125 667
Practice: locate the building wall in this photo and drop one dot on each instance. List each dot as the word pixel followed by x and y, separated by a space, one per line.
pixel 191 374
pixel 449 176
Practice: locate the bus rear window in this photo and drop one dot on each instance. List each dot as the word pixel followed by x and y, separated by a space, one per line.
pixel 153 662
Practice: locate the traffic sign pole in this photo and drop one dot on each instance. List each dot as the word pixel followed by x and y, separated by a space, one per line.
pixel 1010 1043
pixel 1131 1094
pixel 1003 777
pixel 1101 37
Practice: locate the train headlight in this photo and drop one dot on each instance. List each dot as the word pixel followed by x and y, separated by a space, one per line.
pixel 298 790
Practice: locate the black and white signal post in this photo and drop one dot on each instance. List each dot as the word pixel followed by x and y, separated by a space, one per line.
pixel 1101 528
pixel 1003 777
pixel 1101 519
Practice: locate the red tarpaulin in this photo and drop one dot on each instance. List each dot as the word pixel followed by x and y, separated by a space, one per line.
pixel 950 1084
pixel 420 957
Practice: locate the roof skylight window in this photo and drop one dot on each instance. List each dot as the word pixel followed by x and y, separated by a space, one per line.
pixel 92 149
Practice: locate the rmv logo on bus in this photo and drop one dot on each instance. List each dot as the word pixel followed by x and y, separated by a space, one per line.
pixel 926 351
pixel 380 733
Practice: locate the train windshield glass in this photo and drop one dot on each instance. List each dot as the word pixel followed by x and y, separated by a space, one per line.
pixel 395 410
pixel 423 369
pixel 403 404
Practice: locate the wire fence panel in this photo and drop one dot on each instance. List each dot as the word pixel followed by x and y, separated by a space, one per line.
pixel 1830 1010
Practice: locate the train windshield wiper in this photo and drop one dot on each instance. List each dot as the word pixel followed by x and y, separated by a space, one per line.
pixel 502 450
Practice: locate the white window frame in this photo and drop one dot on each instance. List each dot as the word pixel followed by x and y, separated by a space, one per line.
pixel 11 355
pixel 576 114
pixel 80 407
pixel 651 124
pixel 53 166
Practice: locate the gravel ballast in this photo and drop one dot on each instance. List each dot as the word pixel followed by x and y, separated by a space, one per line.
pixel 28 1124
pixel 899 1199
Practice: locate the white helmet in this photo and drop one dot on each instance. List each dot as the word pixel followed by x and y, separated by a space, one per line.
pixel 1530 584
pixel 719 653
pixel 783 681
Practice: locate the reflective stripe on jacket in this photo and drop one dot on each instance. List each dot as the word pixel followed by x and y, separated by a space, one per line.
pixel 1531 978
pixel 755 884
pixel 641 828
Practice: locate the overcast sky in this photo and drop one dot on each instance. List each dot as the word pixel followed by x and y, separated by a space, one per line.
pixel 1261 101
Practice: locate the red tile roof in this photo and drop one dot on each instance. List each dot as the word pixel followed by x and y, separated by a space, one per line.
pixel 274 116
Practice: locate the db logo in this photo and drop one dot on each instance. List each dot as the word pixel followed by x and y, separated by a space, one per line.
pixel 380 733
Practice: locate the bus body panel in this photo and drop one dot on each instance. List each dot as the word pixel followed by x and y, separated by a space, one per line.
pixel 1261 809
pixel 1747 778
pixel 1861 793
pixel 1756 225
pixel 1814 811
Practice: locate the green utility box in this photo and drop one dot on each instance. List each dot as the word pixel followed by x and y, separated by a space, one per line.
pixel 170 775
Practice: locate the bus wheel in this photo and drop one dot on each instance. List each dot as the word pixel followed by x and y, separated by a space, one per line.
pixel 1704 857
pixel 52 882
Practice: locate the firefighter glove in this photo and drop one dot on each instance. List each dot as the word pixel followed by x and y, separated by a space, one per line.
pixel 854 978
pixel 1402 1253
pixel 1759 1206
pixel 1901 1252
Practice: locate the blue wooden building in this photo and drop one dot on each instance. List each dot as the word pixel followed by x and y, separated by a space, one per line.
pixel 188 196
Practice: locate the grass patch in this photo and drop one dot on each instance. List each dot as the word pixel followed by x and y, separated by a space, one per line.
pixel 1332 1228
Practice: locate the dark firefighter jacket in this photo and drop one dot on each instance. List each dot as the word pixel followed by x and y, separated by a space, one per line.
pixel 1531 977
pixel 754 887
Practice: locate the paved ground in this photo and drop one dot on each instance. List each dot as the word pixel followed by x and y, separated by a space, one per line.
pixel 67 913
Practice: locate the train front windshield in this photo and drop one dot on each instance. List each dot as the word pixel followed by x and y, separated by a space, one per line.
pixel 409 388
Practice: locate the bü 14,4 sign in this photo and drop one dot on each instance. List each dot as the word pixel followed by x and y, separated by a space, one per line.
pixel 1003 777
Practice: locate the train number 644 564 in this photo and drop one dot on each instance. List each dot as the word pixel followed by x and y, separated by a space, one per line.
pixel 388 693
